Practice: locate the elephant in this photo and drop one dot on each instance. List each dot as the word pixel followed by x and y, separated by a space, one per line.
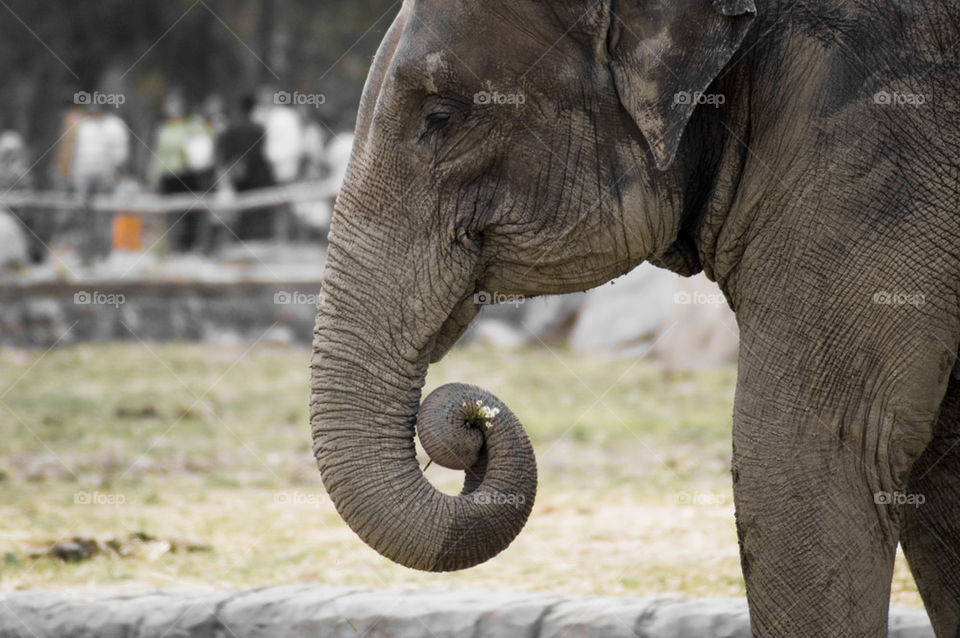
pixel 803 154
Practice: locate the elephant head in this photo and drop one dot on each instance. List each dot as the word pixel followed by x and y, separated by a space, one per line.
pixel 519 147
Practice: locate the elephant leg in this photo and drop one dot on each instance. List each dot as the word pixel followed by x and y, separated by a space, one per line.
pixel 822 455
pixel 931 531
pixel 816 550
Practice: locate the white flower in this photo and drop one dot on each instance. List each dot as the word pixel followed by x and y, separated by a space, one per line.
pixel 489 413
pixel 479 414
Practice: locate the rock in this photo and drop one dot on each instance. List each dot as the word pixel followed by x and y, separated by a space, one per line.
pixel 684 323
pixel 304 611
pixel 120 547
pixel 189 544
pixel 44 322
pixel 521 322
pixel 607 617
pixel 75 550
pixel 550 318
pixel 139 544
pixel 700 330
pixel 13 243
pixel 909 623
pixel 235 310
pixel 627 311
pixel 721 618
pixel 279 334
pixel 499 334
pixel 155 550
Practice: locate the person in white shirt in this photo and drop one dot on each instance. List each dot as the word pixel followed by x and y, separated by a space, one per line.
pixel 100 154
pixel 101 151
pixel 284 141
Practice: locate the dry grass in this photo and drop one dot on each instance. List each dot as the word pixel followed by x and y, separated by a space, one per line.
pixel 214 443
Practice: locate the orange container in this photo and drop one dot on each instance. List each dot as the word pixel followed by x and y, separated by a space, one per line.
pixel 127 232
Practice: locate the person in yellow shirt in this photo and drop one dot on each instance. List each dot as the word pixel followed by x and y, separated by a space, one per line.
pixel 183 163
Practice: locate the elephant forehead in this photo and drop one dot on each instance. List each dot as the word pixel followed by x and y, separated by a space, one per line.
pixel 430 69
pixel 467 40
pixel 435 65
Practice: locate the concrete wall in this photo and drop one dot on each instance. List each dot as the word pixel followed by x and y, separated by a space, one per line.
pixel 329 612
pixel 42 314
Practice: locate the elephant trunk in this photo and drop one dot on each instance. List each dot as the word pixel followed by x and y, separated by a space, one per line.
pixel 365 410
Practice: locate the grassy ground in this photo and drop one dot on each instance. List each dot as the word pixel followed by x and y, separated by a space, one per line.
pixel 179 445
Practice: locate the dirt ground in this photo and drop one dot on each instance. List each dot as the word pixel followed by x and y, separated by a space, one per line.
pixel 181 465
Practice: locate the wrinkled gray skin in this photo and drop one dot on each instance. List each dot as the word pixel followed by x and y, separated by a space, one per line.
pixel 811 202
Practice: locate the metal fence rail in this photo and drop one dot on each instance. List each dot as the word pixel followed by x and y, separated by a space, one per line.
pixel 169 204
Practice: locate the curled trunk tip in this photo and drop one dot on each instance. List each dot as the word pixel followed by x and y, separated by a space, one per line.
pixel 379 489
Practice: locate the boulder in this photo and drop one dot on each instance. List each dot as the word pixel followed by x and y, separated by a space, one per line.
pixel 700 329
pixel 523 322
pixel 626 312
pixel 684 323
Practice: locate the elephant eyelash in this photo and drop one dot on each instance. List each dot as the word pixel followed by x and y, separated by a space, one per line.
pixel 433 123
pixel 436 121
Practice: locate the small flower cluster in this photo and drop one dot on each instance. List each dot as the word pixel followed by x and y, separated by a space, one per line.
pixel 479 415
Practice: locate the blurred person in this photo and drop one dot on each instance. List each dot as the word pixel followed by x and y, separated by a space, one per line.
pixel 314 217
pixel 101 150
pixel 15 175
pixel 337 156
pixel 48 226
pixel 311 218
pixel 283 146
pixel 244 167
pixel 214 110
pixel 284 150
pixel 184 163
pixel 14 162
pixel 201 149
pixel 312 164
pixel 73 114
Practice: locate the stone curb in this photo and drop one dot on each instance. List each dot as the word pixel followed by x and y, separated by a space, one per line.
pixel 333 612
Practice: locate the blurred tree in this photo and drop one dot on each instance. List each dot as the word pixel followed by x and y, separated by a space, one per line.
pixel 143 48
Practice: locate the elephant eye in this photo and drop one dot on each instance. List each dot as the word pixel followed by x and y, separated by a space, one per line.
pixel 438 113
pixel 436 121
pixel 432 123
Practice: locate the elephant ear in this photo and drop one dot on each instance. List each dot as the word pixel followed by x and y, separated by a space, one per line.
pixel 665 53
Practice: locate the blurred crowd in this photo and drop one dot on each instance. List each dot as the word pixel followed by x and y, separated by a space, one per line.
pixel 207 148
